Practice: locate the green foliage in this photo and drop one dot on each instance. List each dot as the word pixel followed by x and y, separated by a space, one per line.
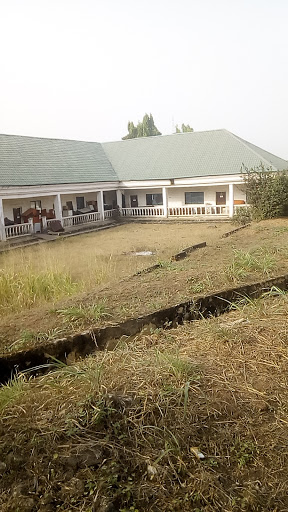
pixel 244 263
pixel 146 128
pixel 84 312
pixel 26 288
pixel 184 127
pixel 198 286
pixel 28 337
pixel 242 216
pixel 267 192
pixel 11 391
pixel 244 452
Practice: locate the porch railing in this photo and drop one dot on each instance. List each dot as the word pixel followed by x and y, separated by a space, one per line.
pixel 49 221
pixel 74 220
pixel 145 211
pixel 191 211
pixel 109 213
pixel 18 230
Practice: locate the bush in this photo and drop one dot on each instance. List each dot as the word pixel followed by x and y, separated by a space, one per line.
pixel 267 193
pixel 243 216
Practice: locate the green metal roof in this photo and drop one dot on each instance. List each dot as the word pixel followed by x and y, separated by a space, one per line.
pixel 186 155
pixel 37 161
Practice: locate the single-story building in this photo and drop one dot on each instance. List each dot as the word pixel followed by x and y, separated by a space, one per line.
pixel 180 175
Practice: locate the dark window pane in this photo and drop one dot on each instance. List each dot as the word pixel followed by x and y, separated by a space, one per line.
pixel 80 203
pixel 154 199
pixel 194 197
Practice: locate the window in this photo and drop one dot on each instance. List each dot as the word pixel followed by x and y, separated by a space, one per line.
pixel 35 205
pixel 154 199
pixel 194 197
pixel 80 203
pixel 69 205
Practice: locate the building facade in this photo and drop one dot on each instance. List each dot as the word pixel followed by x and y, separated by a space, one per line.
pixel 198 174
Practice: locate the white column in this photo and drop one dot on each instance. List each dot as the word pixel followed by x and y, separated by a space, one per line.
pixel 58 208
pixel 31 225
pixel 119 198
pixel 100 204
pixel 165 201
pixel 231 199
pixel 2 223
pixel 44 222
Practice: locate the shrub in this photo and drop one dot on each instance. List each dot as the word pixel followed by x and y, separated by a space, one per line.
pixel 242 216
pixel 267 192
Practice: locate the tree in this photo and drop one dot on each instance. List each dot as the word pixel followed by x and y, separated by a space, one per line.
pixel 185 128
pixel 132 131
pixel 146 128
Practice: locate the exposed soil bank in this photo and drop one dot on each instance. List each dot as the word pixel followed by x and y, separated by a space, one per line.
pixel 176 257
pixel 80 345
pixel 229 233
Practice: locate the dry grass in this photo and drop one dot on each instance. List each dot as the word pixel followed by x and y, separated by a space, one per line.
pixel 250 255
pixel 141 413
pixel 48 272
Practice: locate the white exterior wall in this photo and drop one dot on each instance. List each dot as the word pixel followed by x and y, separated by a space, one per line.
pixel 141 194
pixel 176 195
pixel 25 204
pixel 48 201
pixel 91 196
pixel 110 195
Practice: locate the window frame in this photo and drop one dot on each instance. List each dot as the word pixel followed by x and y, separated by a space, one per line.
pixel 36 204
pixel 194 192
pixel 154 202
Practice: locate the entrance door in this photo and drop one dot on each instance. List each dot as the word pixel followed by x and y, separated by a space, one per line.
pixel 134 201
pixel 220 198
pixel 17 215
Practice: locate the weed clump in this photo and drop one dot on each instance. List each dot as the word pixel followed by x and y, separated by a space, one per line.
pixel 89 313
pixel 25 288
pixel 246 262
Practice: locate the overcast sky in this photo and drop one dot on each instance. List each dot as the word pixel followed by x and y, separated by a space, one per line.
pixel 80 69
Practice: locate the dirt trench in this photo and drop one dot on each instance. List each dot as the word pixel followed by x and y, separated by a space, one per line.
pixel 67 350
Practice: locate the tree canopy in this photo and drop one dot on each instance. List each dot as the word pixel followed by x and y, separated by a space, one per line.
pixel 184 127
pixel 146 128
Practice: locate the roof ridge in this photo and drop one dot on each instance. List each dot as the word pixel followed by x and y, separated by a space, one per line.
pixel 255 145
pixel 247 145
pixel 165 135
